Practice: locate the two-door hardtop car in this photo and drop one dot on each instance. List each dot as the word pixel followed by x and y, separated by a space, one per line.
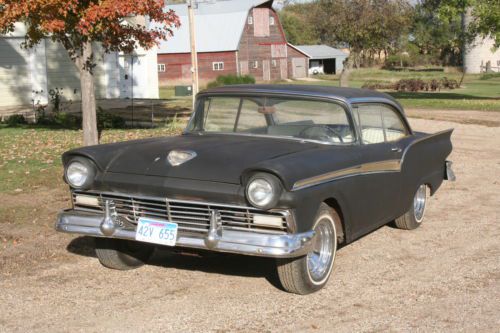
pixel 288 172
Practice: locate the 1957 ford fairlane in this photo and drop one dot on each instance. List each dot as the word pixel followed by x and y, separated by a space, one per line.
pixel 288 172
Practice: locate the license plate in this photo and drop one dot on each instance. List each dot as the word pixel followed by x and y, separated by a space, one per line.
pixel 157 232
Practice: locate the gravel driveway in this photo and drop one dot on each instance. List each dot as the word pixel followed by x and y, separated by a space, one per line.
pixel 444 276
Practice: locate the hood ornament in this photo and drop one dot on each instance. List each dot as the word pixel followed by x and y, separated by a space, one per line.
pixel 178 157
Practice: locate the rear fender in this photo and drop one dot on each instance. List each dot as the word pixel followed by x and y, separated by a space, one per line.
pixel 424 162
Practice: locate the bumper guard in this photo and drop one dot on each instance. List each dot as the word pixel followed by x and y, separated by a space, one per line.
pixel 239 242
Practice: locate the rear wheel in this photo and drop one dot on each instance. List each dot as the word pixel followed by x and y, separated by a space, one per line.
pixel 413 218
pixel 310 273
pixel 122 254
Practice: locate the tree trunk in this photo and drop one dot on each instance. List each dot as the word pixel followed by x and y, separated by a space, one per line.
pixel 89 122
pixel 346 71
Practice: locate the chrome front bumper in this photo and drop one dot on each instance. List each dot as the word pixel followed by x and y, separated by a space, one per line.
pixel 240 242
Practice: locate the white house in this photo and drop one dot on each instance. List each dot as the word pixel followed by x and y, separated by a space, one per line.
pixel 27 75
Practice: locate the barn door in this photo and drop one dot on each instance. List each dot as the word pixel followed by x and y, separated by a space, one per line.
pixel 244 68
pixel 266 70
pixel 283 69
pixel 299 67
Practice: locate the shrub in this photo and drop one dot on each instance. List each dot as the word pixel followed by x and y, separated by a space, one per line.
pixel 410 85
pixel 413 85
pixel 15 120
pixel 374 85
pixel 67 120
pixel 226 80
pixel 397 61
pixel 107 120
pixel 449 84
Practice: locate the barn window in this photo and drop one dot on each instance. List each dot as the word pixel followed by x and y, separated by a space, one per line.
pixel 271 20
pixel 161 67
pixel 274 63
pixel 255 64
pixel 218 66
pixel 250 20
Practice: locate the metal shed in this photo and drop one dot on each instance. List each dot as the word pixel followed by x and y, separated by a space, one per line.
pixel 323 59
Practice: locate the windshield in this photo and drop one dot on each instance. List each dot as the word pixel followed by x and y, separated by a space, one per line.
pixel 275 117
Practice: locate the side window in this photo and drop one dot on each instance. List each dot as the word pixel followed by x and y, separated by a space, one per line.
pixel 220 114
pixel 317 120
pixel 250 118
pixel 378 123
pixel 394 127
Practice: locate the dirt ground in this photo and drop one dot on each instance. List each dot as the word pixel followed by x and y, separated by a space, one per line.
pixel 444 276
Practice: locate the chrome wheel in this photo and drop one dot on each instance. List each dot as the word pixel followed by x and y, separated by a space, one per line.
pixel 419 203
pixel 320 259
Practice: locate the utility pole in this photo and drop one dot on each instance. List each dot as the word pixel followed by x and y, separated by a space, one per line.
pixel 194 56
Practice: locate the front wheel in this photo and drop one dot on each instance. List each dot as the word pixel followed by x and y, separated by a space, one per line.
pixel 122 254
pixel 307 274
pixel 413 218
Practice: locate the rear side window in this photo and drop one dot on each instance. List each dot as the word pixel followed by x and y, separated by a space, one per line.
pixel 379 123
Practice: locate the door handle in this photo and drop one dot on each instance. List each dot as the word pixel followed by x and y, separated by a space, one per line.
pixel 396 149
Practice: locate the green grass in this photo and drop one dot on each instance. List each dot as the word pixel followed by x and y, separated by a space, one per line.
pixel 30 157
pixel 168 93
pixel 477 92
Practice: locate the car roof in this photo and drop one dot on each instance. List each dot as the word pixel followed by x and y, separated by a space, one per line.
pixel 349 95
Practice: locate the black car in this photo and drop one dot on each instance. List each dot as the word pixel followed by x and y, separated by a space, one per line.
pixel 288 172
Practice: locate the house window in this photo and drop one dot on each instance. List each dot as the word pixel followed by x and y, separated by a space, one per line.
pixel 274 63
pixel 250 20
pixel 218 66
pixel 255 64
pixel 161 67
pixel 271 20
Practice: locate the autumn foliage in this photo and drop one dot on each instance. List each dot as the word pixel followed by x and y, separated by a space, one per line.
pixel 74 22
pixel 117 25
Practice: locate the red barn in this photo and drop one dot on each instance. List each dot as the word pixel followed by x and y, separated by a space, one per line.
pixel 233 37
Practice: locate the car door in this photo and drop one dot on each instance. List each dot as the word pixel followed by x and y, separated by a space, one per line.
pixel 383 138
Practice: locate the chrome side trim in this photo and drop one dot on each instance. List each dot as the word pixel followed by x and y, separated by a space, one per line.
pixel 239 242
pixel 292 138
pixel 366 168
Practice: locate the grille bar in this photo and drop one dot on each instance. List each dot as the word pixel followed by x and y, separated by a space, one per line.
pixel 191 216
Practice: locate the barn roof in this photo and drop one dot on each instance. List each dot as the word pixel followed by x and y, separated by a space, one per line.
pixel 321 51
pixel 219 26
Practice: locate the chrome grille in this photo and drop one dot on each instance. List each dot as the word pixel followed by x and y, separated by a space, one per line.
pixel 191 216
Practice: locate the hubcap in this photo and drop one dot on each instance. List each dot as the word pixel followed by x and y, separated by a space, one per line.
pixel 319 260
pixel 419 203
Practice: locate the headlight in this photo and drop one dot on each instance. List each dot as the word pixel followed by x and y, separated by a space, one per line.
pixel 79 173
pixel 263 190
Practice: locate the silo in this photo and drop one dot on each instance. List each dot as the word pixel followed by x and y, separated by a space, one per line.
pixel 480 54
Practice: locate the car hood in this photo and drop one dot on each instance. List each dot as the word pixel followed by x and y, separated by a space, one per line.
pixel 219 158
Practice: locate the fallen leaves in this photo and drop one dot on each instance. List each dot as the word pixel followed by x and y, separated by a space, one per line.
pixel 31 157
